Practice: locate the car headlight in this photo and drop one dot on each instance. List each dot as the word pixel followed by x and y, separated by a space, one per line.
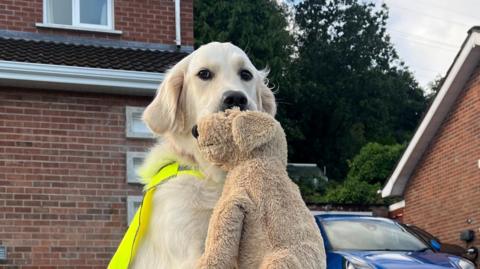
pixel 354 263
pixel 465 264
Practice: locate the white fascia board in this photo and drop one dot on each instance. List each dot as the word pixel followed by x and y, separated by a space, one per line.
pixel 461 71
pixel 396 206
pixel 85 79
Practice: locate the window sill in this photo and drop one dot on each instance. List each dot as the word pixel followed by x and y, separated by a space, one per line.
pixel 76 28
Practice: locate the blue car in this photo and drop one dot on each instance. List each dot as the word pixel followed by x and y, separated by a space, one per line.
pixel 361 242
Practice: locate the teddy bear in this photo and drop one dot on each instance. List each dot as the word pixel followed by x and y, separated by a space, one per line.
pixel 260 220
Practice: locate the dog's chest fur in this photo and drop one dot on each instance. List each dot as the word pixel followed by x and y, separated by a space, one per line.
pixel 179 224
pixel 176 234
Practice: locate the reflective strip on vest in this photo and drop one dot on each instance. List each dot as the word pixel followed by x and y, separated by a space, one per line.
pixel 138 226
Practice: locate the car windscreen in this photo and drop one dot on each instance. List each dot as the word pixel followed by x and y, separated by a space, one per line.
pixel 370 235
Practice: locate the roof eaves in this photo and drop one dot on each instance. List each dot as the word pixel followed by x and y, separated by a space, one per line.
pixel 74 78
pixel 458 74
pixel 99 42
pixel 475 28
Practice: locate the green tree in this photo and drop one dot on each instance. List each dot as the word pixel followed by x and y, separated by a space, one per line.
pixel 367 173
pixel 346 86
pixel 258 27
pixel 353 192
pixel 374 162
pixel 433 88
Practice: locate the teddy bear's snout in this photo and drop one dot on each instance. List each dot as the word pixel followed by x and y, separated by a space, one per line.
pixel 195 131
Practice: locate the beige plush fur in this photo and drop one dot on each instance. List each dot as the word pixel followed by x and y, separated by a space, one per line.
pixel 260 220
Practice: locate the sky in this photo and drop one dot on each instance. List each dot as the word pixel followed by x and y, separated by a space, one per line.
pixel 427 34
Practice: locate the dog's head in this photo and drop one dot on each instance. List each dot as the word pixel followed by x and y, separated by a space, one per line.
pixel 230 137
pixel 215 77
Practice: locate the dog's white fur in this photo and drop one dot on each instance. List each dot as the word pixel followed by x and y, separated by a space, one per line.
pixel 183 205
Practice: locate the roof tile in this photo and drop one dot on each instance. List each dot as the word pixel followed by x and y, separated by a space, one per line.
pixel 47 52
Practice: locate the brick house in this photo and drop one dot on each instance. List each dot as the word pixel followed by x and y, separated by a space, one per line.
pixel 439 174
pixel 74 78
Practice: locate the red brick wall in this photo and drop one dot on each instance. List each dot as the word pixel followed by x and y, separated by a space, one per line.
pixel 444 191
pixel 62 176
pixel 139 20
pixel 396 214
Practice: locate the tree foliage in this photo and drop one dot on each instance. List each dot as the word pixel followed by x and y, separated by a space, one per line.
pixel 340 84
pixel 353 192
pixel 374 162
pixel 433 88
pixel 368 171
pixel 258 27
pixel 346 86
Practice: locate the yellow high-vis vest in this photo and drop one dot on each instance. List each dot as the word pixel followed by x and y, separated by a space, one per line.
pixel 128 246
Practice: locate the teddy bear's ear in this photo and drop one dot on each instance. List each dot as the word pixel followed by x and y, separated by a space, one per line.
pixel 252 129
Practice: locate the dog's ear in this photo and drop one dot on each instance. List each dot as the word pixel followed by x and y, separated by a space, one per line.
pixel 253 129
pixel 167 110
pixel 265 96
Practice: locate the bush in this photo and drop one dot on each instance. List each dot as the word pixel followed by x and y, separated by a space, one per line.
pixel 367 173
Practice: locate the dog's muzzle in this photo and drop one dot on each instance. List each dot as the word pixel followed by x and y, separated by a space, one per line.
pixel 231 99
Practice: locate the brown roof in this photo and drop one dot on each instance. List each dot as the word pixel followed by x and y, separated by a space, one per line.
pixel 58 53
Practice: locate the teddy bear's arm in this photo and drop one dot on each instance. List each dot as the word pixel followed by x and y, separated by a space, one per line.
pixel 223 239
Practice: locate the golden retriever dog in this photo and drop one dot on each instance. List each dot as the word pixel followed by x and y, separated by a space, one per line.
pixel 215 77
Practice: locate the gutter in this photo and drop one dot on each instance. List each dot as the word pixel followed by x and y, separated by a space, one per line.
pixel 178 39
pixel 83 79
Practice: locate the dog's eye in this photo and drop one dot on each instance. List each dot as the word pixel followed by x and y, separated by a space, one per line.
pixel 205 74
pixel 245 75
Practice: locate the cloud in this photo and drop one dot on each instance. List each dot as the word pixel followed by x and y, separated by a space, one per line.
pixel 427 34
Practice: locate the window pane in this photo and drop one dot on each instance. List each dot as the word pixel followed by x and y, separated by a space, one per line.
pixel 137 162
pixel 134 126
pixel 133 203
pixel 59 11
pixel 93 12
pixel 138 125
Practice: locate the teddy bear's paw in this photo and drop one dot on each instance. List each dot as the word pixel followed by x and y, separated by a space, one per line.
pixel 204 263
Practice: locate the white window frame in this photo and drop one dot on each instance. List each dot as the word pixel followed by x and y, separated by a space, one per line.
pixel 131 210
pixel 76 25
pixel 131 174
pixel 129 132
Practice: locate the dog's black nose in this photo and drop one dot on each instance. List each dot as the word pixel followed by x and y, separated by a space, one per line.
pixel 195 131
pixel 233 99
